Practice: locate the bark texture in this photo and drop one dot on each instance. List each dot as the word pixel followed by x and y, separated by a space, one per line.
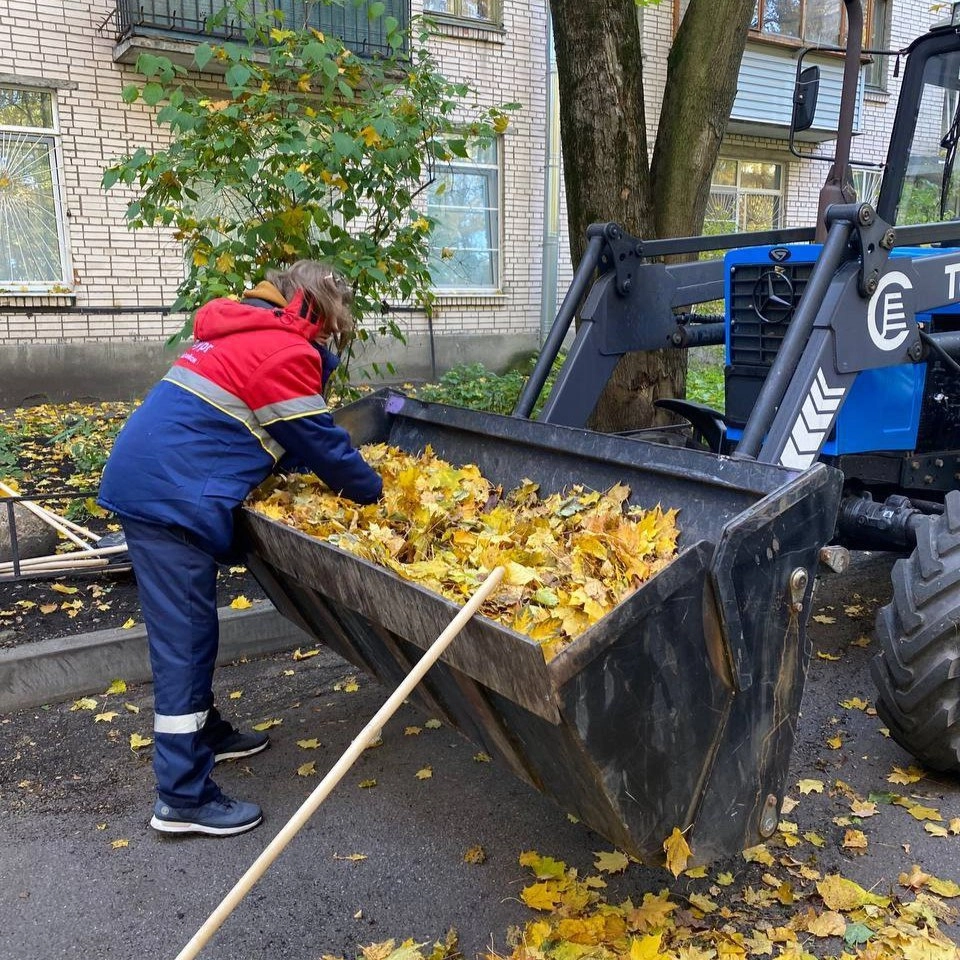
pixel 606 164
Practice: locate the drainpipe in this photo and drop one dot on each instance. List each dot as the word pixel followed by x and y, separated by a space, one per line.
pixel 551 191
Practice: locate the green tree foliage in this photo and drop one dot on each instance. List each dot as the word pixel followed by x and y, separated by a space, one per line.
pixel 300 149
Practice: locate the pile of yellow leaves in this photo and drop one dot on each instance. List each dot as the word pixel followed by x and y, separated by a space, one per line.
pixel 570 558
pixel 576 922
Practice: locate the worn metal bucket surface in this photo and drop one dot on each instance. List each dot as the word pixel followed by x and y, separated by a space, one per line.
pixel 677 709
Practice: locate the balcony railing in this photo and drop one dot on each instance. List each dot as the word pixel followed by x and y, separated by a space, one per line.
pixel 191 20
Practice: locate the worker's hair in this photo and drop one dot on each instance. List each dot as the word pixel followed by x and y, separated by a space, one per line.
pixel 327 293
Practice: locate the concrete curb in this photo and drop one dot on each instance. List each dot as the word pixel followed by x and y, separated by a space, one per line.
pixel 66 667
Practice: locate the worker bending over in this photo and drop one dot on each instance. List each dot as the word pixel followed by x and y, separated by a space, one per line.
pixel 246 399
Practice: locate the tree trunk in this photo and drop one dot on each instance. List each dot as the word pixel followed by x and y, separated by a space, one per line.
pixel 605 156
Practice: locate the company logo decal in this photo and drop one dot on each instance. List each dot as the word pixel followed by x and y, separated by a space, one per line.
pixel 887 313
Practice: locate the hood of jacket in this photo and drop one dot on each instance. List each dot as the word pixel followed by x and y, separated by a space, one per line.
pixel 223 317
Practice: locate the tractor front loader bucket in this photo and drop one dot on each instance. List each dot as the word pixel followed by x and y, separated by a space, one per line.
pixel 678 708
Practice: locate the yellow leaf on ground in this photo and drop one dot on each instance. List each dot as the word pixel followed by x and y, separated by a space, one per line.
pixel 824 618
pixel 725 879
pixel 863 808
pixel 236 694
pixel 943 888
pixel 63 588
pixel 815 839
pixel 119 844
pixel 137 741
pixel 267 724
pixel 827 924
pixel 702 903
pixel 758 854
pixel 310 744
pixel 924 813
pixel 482 757
pixel 855 840
pixel 116 686
pixel 934 829
pixel 85 703
pixel 854 703
pixel 835 743
pixel 841 894
pixel 475 855
pixel 695 873
pixel 827 656
pixel 915 879
pixel 425 774
pixel 350 856
pixel 131 708
pixel 610 862
pixel 298 655
pixel 544 868
pixel 351 686
pixel 954 826
pixel 412 731
pixel 678 852
pixel 910 775
pixel 106 717
pixel 308 769
pixel 645 948
pixel 240 603
pixel 127 624
pixel 541 896
pixel 433 724
pixel 367 784
pixel 810 786
pixel 47 608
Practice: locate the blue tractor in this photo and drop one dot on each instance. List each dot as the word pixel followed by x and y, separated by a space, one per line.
pixel 841 347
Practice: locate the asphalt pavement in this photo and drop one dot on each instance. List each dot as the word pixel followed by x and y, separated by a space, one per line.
pixel 72 790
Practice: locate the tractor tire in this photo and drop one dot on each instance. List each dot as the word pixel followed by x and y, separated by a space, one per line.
pixel 917 671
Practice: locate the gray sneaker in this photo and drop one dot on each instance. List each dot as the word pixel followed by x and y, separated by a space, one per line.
pixel 237 744
pixel 221 817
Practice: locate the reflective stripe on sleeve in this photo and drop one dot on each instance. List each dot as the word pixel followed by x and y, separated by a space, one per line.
pixel 225 402
pixel 184 723
pixel 290 409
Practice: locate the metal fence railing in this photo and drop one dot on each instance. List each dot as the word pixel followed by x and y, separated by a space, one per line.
pixel 191 19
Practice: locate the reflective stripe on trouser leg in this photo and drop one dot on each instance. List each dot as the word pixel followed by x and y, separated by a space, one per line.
pixel 178 599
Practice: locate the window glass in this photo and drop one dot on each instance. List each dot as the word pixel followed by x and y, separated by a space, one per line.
pixel 468 9
pixel 464 202
pixel 31 226
pixel 744 195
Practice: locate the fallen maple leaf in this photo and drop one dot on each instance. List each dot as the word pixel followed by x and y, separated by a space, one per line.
pixel 425 774
pixel 915 879
pixel 116 686
pixel 355 857
pixel 119 844
pixel 935 830
pixel 758 854
pixel 482 757
pixel 678 852
pixel 61 588
pixel 854 840
pixel 85 703
pixel 841 894
pixel 107 717
pixel 131 708
pixel 240 603
pixel 823 618
pixel 47 608
pixel 827 656
pixel 236 694
pixel 541 896
pixel 412 731
pixel 827 924
pixel 863 808
pixel 367 784
pixel 267 724
pixel 610 862
pixel 127 624
pixel 919 812
pixel 308 769
pixel 810 786
pixel 137 741
pixel 310 744
pixel 854 703
pixel 910 775
pixel 433 724
pixel 544 868
pixel 835 743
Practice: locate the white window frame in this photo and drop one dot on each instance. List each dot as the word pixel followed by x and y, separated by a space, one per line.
pixel 459 164
pixel 455 9
pixel 739 192
pixel 50 135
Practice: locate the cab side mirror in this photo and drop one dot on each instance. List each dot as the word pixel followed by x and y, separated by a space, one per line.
pixel 805 95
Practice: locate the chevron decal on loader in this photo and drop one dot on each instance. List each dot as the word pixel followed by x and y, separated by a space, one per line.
pixel 817 414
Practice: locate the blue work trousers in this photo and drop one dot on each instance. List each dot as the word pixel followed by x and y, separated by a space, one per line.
pixel 177 583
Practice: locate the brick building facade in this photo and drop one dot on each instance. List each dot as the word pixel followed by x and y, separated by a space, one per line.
pixel 85 310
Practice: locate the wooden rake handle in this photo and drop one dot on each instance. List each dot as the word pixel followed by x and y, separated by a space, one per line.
pixel 339 770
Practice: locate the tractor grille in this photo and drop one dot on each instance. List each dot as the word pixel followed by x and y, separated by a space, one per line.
pixel 763 298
